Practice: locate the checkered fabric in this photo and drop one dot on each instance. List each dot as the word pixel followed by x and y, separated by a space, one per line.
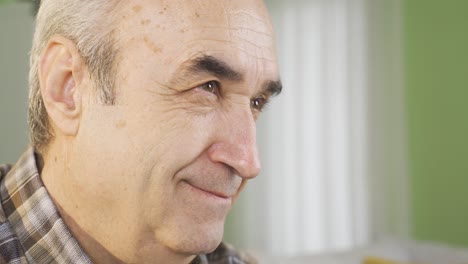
pixel 32 231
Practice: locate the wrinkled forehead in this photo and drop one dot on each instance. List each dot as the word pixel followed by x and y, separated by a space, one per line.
pixel 219 12
pixel 177 29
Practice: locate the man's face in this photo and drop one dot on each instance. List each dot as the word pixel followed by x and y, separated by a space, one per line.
pixel 167 160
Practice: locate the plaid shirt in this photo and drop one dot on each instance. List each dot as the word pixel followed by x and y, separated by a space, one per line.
pixel 32 231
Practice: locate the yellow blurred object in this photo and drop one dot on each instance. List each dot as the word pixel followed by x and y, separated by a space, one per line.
pixel 375 260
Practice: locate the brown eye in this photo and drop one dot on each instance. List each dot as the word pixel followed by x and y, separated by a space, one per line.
pixel 211 87
pixel 258 103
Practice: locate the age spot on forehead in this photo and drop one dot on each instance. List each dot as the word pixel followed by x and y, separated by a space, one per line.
pixel 163 11
pixel 137 8
pixel 145 22
pixel 152 46
pixel 121 124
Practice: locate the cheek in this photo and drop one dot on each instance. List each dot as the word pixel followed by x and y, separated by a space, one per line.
pixel 167 138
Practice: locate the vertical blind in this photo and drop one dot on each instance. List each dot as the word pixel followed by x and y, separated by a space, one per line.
pixel 315 190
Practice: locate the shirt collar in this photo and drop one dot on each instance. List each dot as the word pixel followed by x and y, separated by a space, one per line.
pixel 34 218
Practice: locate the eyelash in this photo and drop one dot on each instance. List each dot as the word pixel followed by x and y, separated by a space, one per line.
pixel 214 87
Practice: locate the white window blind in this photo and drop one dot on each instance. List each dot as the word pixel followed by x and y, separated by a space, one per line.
pixel 317 191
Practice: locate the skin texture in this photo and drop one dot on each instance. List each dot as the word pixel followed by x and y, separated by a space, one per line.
pixel 152 178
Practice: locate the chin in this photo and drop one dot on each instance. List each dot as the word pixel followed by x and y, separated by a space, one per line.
pixel 197 241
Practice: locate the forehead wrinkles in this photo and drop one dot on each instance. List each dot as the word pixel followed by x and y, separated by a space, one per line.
pixel 239 29
pixel 236 21
pixel 244 28
pixel 174 30
pixel 253 31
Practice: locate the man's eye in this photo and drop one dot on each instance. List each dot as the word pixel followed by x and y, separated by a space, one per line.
pixel 211 87
pixel 258 103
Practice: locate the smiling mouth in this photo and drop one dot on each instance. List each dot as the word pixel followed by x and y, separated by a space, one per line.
pixel 209 193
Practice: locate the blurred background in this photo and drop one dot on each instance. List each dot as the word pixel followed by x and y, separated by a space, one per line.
pixel 368 140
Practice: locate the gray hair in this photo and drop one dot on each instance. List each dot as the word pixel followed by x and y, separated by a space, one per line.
pixel 89 24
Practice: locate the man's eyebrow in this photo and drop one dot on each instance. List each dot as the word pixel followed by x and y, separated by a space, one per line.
pixel 211 65
pixel 273 88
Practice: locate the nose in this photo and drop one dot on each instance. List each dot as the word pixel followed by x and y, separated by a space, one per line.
pixel 236 144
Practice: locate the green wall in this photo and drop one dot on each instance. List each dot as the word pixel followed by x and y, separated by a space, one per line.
pixel 16 30
pixel 5 1
pixel 436 52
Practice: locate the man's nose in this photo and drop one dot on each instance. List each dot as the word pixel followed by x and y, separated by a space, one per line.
pixel 236 144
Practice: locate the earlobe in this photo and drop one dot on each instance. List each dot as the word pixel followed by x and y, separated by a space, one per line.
pixel 60 76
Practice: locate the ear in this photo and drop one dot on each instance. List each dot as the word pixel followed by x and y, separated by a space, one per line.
pixel 61 73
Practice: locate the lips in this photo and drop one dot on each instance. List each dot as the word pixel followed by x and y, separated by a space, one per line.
pixel 213 191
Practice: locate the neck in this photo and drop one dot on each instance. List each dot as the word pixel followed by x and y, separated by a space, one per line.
pixel 102 237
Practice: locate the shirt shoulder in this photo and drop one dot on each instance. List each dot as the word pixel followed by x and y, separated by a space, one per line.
pixel 31 229
pixel 4 169
pixel 10 247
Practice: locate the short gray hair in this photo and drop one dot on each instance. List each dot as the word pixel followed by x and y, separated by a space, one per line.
pixel 90 25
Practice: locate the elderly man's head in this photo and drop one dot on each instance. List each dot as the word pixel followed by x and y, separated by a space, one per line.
pixel 145 114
